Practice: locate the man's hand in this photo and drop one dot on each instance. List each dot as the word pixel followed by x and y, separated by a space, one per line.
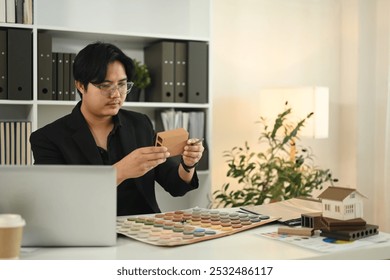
pixel 193 151
pixel 139 162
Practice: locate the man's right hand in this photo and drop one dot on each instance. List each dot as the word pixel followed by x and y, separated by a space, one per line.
pixel 139 162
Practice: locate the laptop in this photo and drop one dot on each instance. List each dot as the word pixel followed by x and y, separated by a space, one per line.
pixel 63 205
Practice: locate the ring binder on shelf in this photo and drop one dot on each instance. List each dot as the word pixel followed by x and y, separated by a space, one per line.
pixel 159 58
pixel 197 72
pixel 44 66
pixel 19 64
pixel 3 64
pixel 180 72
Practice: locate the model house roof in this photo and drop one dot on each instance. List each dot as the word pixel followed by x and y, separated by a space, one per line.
pixel 337 193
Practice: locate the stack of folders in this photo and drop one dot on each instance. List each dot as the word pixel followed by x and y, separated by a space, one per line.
pixel 16 11
pixel 178 70
pixel 55 71
pixel 63 86
pixel 15 146
pixel 192 121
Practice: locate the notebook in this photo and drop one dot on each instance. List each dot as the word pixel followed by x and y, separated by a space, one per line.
pixel 63 205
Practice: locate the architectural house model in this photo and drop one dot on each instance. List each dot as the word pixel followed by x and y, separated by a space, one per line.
pixel 341 217
pixel 342 203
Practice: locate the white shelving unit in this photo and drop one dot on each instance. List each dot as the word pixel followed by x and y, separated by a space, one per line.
pixel 131 25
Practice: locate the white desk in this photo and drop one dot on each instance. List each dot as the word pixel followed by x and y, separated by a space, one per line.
pixel 246 245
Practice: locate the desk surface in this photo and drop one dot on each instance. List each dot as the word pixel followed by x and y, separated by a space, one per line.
pixel 246 245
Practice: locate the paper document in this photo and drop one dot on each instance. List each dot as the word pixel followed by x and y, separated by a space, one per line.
pixel 290 209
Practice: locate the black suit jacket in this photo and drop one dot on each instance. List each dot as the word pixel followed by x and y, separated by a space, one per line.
pixel 68 140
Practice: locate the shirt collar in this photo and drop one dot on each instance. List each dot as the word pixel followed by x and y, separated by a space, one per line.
pixel 117 122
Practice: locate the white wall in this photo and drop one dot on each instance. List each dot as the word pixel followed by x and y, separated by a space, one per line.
pixel 341 44
pixel 258 44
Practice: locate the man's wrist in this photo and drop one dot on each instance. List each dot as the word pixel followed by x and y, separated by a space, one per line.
pixel 186 167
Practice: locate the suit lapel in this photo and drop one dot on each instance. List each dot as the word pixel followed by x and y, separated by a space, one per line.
pixel 127 135
pixel 129 144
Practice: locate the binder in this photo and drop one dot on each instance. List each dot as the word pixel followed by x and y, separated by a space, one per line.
pixel 197 72
pixel 27 12
pixel 19 11
pixel 44 66
pixel 19 64
pixel 23 143
pixel 24 152
pixel 66 77
pixel 7 143
pixel 3 64
pixel 18 149
pixel 159 58
pixel 28 145
pixel 180 72
pixel 2 143
pixel 11 11
pixel 60 76
pixel 54 76
pixel 12 146
pixel 72 85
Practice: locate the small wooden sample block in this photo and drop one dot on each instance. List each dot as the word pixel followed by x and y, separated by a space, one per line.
pixel 312 220
pixel 174 140
pixel 302 231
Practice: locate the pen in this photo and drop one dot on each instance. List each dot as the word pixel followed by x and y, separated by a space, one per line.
pixel 248 211
pixel 197 141
pixel 243 212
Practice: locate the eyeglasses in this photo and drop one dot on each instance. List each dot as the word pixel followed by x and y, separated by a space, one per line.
pixel 109 89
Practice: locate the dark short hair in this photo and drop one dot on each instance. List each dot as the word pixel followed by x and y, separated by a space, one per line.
pixel 90 64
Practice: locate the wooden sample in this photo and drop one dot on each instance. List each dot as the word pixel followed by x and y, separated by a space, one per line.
pixel 175 140
pixel 302 231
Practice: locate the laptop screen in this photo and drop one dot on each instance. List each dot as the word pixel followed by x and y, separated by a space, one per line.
pixel 63 205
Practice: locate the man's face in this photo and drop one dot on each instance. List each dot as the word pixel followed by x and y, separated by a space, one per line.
pixel 105 99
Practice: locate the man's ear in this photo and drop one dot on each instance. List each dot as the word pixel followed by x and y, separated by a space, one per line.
pixel 80 87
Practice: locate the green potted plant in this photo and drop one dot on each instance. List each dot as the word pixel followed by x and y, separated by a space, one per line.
pixel 271 174
pixel 141 80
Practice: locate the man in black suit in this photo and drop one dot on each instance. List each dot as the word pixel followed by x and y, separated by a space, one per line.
pixel 99 132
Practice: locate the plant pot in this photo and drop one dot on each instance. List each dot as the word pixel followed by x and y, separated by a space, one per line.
pixel 133 95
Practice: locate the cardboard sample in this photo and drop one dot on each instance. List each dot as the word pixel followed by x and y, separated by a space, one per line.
pixel 175 140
